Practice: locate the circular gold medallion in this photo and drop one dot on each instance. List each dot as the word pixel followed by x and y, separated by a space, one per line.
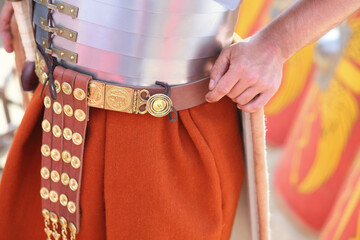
pixel 79 94
pixel 57 86
pixel 45 173
pixel 66 156
pixel 63 200
pixel 55 176
pixel 66 87
pixel 68 110
pixel 44 193
pixel 159 105
pixel 72 228
pixel 46 213
pixel 46 126
pixel 57 107
pixel 73 184
pixel 71 207
pixel 44 76
pixel 57 131
pixel 80 115
pixel 65 178
pixel 53 196
pixel 47 102
pixel 53 217
pixel 55 155
pixel 77 138
pixel 75 162
pixel 67 133
pixel 62 220
pixel 45 150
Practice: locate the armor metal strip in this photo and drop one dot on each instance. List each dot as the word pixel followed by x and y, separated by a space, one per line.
pixel 59 30
pixel 62 7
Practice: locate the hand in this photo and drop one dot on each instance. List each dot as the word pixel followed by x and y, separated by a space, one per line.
pixel 5 30
pixel 248 72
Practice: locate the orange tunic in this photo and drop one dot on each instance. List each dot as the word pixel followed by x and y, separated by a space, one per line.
pixel 143 177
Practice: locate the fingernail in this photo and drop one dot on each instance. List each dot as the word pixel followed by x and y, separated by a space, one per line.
pixel 211 84
pixel 207 97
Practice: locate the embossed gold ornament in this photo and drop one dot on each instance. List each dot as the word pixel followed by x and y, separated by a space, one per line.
pixel 57 131
pixel 68 110
pixel 119 98
pixel 71 207
pixel 72 229
pixel 73 184
pixel 54 219
pixel 96 94
pixel 80 115
pixel 63 200
pixel 53 196
pixel 55 176
pixel 79 94
pixel 63 224
pixel 57 107
pixel 55 155
pixel 44 77
pixel 47 230
pixel 57 86
pixel 47 102
pixel 159 105
pixel 45 173
pixel 77 139
pixel 66 156
pixel 65 178
pixel 66 87
pixel 67 134
pixel 39 66
pixel 75 162
pixel 46 126
pixel 44 193
pixel 45 150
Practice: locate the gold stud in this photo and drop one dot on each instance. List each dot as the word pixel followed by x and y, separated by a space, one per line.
pixel 62 54
pixel 72 57
pixel 53 217
pixel 45 173
pixel 55 176
pixel 66 156
pixel 53 196
pixel 80 115
pixel 68 110
pixel 71 207
pixel 47 102
pixel 67 133
pixel 44 193
pixel 77 139
pixel 46 126
pixel 45 150
pixel 57 131
pixel 65 178
pixel 46 213
pixel 57 107
pixel 72 10
pixel 44 76
pixel 57 86
pixel 75 162
pixel 66 87
pixel 79 94
pixel 72 228
pixel 73 184
pixel 43 43
pixel 61 7
pixel 63 200
pixel 71 35
pixel 55 155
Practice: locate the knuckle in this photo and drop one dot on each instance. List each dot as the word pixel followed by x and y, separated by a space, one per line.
pixel 223 89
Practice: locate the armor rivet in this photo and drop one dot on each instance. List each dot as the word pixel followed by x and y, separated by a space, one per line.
pixel 72 228
pixel 66 156
pixel 79 94
pixel 57 107
pixel 44 193
pixel 67 134
pixel 53 217
pixel 72 10
pixel 45 150
pixel 57 86
pixel 55 176
pixel 68 110
pixel 63 200
pixel 45 173
pixel 46 213
pixel 62 7
pixel 73 184
pixel 47 102
pixel 53 196
pixel 65 179
pixel 43 43
pixel 46 126
pixel 55 155
pixel 80 115
pixel 61 31
pixel 77 139
pixel 75 162
pixel 72 57
pixel 71 207
pixel 71 35
pixel 66 87
pixel 57 131
pixel 62 54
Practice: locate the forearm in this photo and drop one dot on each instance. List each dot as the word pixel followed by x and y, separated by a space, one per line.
pixel 304 22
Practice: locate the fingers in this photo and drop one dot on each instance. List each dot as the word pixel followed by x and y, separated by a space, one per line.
pixel 5 29
pixel 257 103
pixel 220 68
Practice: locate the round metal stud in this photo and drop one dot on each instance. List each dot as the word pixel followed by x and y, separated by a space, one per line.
pixel 65 178
pixel 53 217
pixel 63 200
pixel 57 107
pixel 63 221
pixel 67 134
pixel 44 76
pixel 66 87
pixel 55 176
pixel 44 193
pixel 72 228
pixel 80 115
pixel 75 162
pixel 57 131
pixel 79 94
pixel 68 110
pixel 46 126
pixel 62 7
pixel 45 213
pixel 73 184
pixel 55 155
pixel 45 173
pixel 54 197
pixel 71 207
pixel 66 156
pixel 45 150
pixel 57 86
pixel 47 102
pixel 159 105
pixel 77 139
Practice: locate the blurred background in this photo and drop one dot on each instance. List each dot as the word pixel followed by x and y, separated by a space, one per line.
pixel 313 130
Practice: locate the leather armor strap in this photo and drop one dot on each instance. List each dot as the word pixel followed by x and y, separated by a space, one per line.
pixel 64 130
